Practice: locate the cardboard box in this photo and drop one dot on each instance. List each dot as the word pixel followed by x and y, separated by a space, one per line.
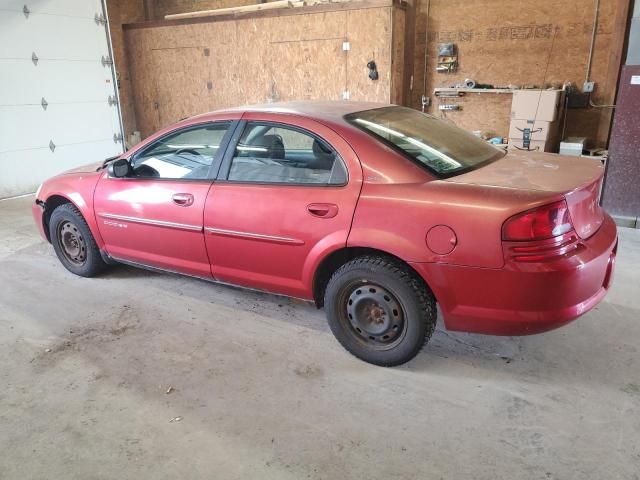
pixel 534 146
pixel 542 105
pixel 572 146
pixel 539 129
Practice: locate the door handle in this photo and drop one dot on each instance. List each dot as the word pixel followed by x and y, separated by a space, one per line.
pixel 323 210
pixel 182 199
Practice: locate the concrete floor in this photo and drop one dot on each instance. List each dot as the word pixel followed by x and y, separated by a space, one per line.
pixel 264 391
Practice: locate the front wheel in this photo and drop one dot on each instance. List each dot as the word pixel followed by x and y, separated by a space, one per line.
pixel 380 310
pixel 73 242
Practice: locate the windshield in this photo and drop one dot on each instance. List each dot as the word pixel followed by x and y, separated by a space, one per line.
pixel 435 144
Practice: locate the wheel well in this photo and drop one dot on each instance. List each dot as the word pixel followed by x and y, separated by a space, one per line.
pixel 336 259
pixel 53 202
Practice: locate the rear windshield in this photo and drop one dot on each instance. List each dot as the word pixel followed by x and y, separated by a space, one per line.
pixel 438 145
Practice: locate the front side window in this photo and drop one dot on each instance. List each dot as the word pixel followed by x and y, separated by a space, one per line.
pixel 187 154
pixel 435 144
pixel 268 153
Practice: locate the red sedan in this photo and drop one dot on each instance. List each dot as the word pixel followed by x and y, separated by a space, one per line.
pixel 375 212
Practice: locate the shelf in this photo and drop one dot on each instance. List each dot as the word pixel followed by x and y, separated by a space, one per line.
pixel 436 91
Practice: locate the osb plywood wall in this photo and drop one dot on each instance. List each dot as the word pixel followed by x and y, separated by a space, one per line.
pixel 499 42
pixel 122 12
pixel 179 70
pixel 523 43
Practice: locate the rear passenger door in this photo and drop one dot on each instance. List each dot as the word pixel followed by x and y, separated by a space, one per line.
pixel 284 198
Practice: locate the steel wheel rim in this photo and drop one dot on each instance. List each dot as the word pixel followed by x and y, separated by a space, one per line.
pixel 374 316
pixel 72 243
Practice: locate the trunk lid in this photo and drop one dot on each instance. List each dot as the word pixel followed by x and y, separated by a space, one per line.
pixel 578 179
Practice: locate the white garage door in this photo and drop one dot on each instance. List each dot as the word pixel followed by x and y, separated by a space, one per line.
pixel 58 101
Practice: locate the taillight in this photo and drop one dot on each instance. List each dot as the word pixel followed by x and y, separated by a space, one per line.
pixel 540 223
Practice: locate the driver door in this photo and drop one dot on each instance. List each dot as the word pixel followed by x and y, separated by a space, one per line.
pixel 154 216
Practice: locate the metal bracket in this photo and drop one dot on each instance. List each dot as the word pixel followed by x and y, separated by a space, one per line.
pixel 111 100
pixel 117 138
pixel 106 61
pixel 100 19
pixel 26 11
pixel 44 104
pixel 52 146
pixel 34 58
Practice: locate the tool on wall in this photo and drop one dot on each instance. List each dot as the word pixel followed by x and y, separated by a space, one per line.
pixel 373 70
pixel 470 83
pixel 447 58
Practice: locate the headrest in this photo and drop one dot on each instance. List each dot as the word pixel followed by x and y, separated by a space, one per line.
pixel 320 149
pixel 272 143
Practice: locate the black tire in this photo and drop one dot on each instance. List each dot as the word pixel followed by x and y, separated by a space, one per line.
pixel 73 242
pixel 380 310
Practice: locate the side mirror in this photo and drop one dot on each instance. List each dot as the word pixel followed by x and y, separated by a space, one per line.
pixel 120 168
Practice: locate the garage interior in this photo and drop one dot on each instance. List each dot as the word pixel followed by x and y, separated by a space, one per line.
pixel 136 374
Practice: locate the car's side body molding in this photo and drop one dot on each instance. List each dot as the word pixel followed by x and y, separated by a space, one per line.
pixel 254 236
pixel 148 221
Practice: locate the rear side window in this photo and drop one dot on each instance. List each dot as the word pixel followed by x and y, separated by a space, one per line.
pixel 268 153
pixel 186 154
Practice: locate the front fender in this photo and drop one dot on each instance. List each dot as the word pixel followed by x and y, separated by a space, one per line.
pixel 77 189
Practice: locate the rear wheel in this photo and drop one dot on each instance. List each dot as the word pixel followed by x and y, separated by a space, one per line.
pixel 73 242
pixel 380 310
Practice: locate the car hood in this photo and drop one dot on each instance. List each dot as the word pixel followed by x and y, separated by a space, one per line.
pixel 578 179
pixel 88 168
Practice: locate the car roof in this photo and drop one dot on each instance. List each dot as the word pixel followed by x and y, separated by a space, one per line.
pixel 329 110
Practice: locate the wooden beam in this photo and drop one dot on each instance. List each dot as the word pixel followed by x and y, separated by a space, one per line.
pixel 332 6
pixel 149 10
pixel 409 54
pixel 245 8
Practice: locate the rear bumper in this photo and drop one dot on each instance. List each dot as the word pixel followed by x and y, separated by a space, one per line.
pixel 525 298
